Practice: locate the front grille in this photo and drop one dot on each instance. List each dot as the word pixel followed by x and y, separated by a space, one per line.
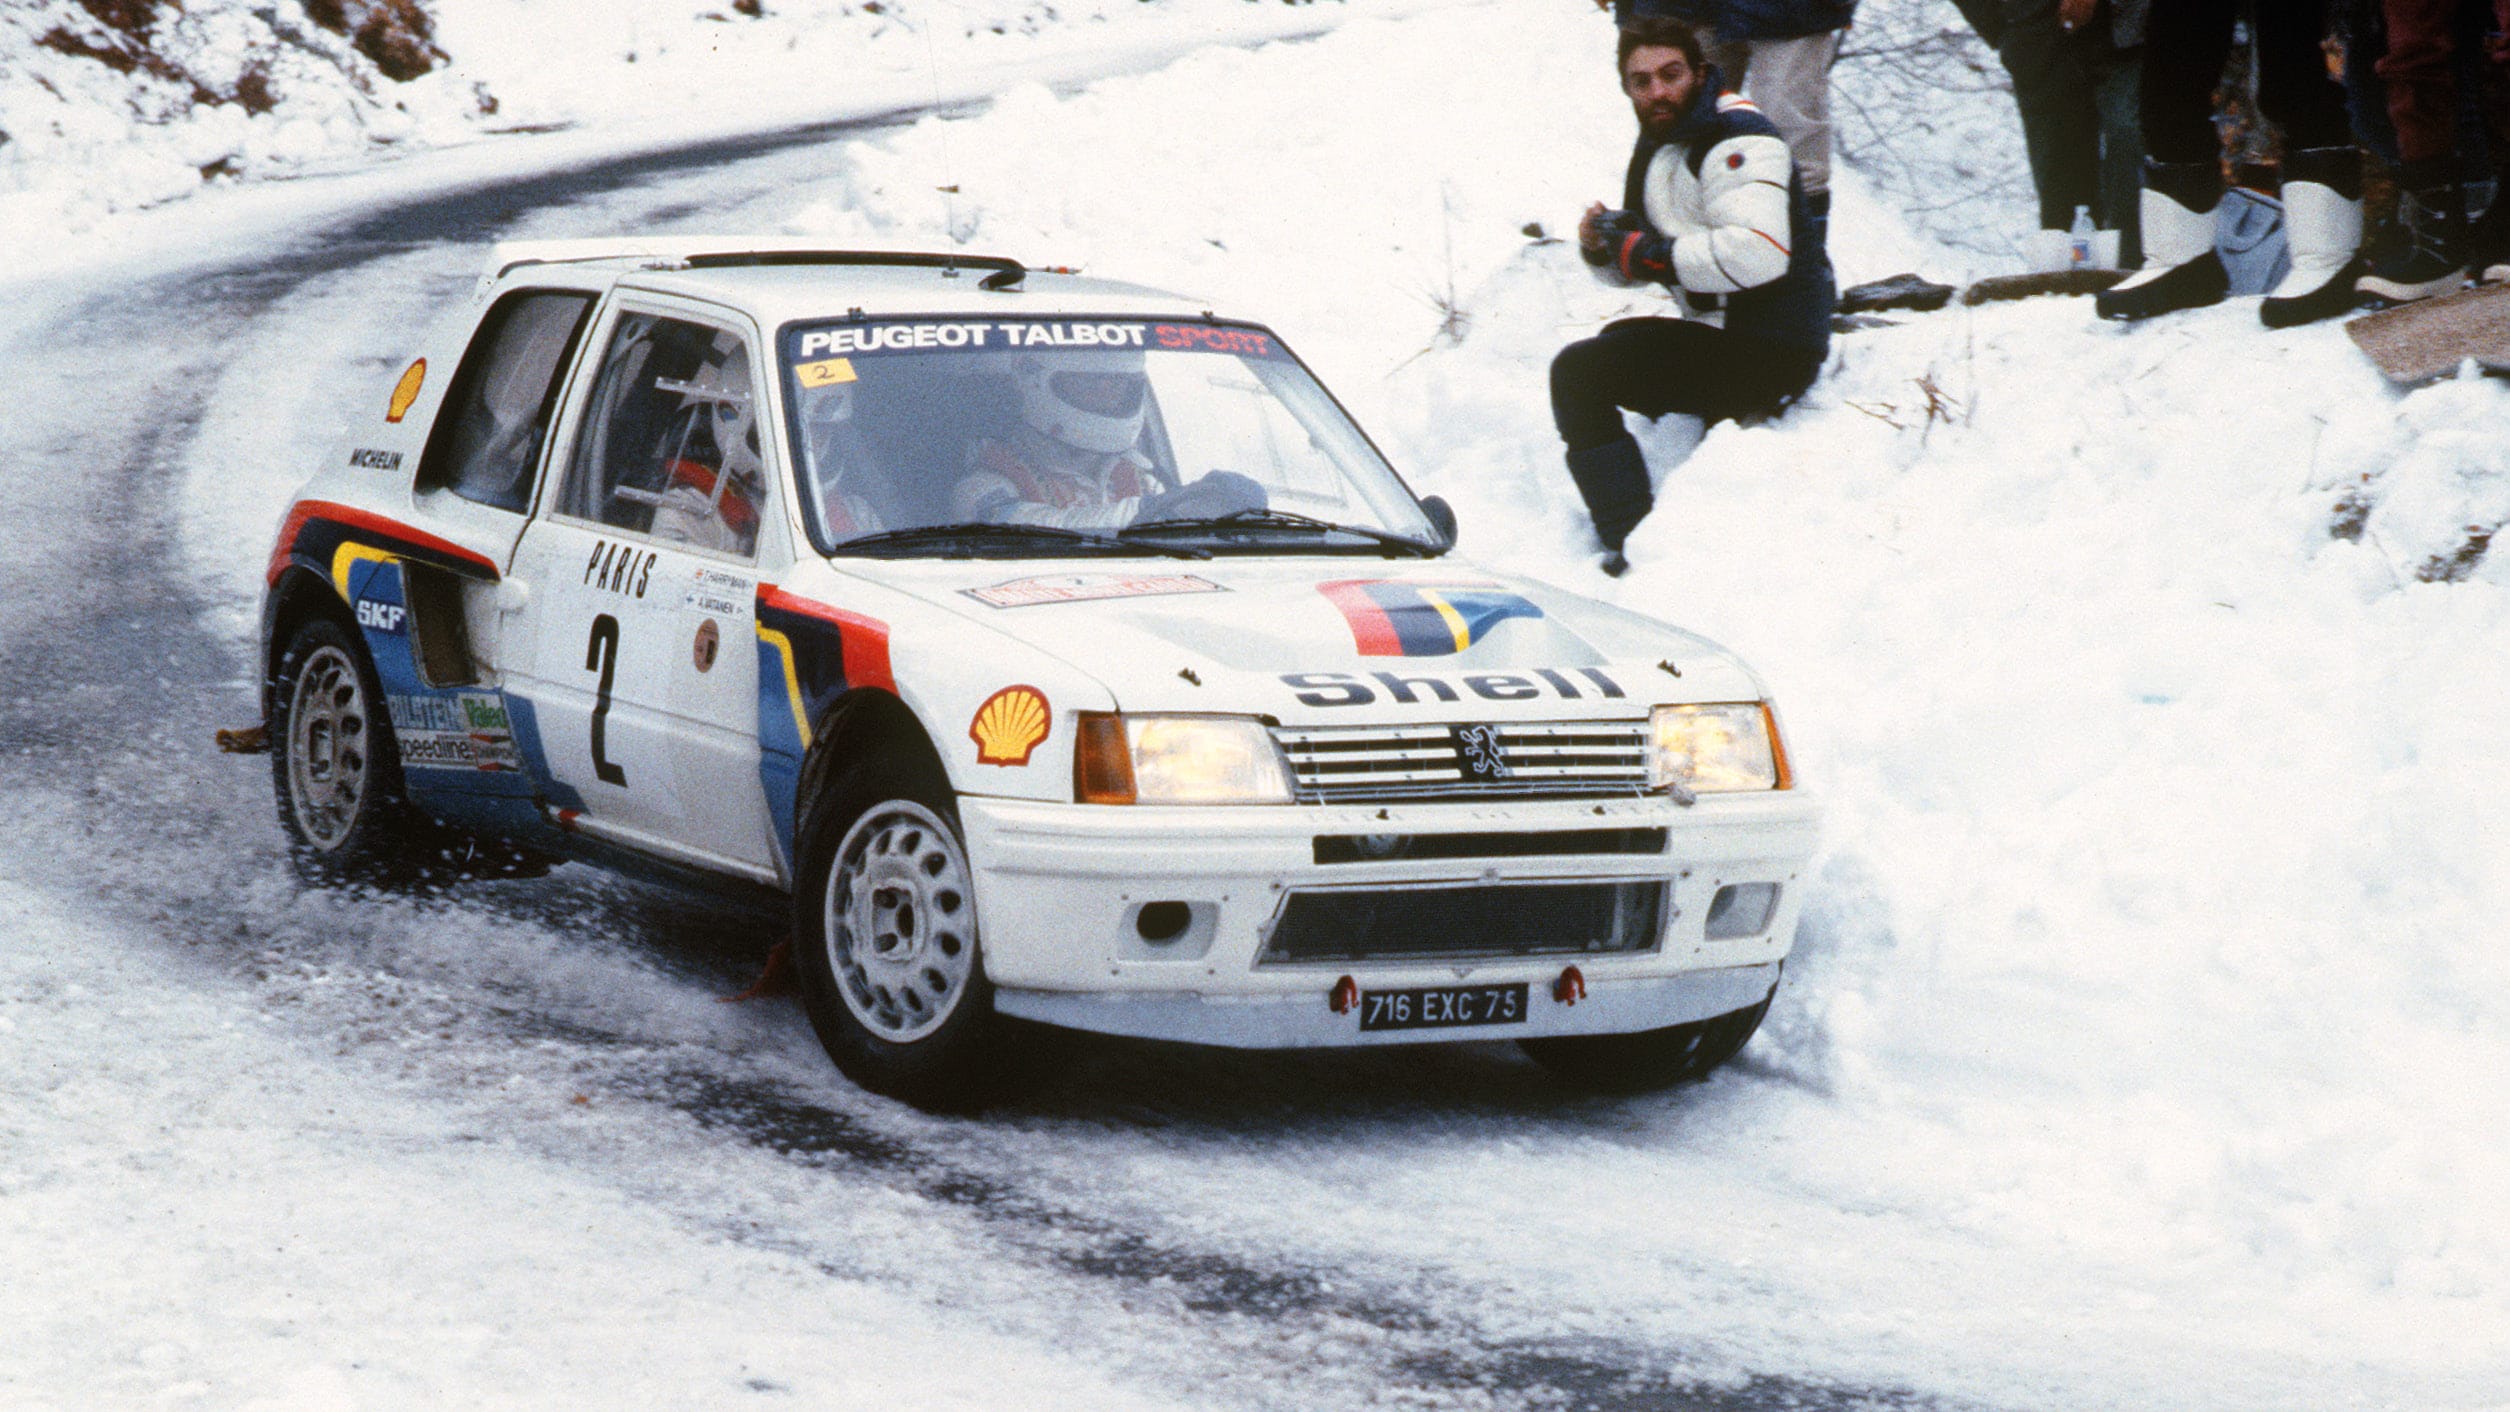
pixel 1466 922
pixel 1572 759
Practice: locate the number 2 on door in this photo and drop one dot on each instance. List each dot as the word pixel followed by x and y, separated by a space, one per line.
pixel 602 655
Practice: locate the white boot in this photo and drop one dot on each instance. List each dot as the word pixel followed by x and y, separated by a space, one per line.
pixel 2180 268
pixel 2323 235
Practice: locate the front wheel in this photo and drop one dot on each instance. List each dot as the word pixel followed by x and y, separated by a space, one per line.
pixel 1650 1059
pixel 886 936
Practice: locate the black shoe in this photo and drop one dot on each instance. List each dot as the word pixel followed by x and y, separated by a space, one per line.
pixel 1614 563
pixel 2149 293
pixel 2432 258
pixel 2340 295
pixel 1613 479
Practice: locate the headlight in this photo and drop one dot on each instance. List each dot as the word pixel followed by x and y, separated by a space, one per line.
pixel 1176 760
pixel 1715 749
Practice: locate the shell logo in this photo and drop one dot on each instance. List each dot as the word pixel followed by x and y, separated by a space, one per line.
pixel 1009 725
pixel 405 391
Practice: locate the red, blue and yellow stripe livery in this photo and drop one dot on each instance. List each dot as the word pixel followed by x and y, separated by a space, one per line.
pixel 1402 618
pixel 809 654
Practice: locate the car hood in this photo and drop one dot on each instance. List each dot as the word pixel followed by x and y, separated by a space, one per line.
pixel 1323 640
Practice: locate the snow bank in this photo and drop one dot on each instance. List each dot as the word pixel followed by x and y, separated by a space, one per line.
pixel 108 105
pixel 2152 675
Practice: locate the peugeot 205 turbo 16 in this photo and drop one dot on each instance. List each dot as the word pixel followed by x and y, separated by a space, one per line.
pixel 1060 648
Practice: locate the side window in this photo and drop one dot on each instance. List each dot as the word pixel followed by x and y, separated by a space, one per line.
pixel 669 445
pixel 498 410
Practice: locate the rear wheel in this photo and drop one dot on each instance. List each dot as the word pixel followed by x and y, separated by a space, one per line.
pixel 1650 1059
pixel 885 933
pixel 334 762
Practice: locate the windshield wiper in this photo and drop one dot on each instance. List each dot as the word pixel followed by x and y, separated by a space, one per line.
pixel 971 532
pixel 1284 520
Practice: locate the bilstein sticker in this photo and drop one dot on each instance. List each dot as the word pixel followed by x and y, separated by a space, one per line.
pixel 1009 726
pixel 405 391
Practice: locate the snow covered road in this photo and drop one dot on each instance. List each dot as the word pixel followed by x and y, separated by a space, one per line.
pixel 2137 1055
pixel 284 1148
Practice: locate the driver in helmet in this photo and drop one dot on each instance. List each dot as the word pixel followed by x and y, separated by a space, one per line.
pixel 713 479
pixel 1075 460
pixel 840 461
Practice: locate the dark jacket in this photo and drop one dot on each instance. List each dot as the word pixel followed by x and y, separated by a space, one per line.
pixel 1723 219
pixel 1744 19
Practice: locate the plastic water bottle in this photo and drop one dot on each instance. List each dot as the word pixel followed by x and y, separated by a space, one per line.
pixel 2081 246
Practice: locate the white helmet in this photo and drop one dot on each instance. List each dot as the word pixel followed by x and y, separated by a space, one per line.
pixel 718 400
pixel 1090 399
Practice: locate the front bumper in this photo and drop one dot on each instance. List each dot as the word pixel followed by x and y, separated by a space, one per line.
pixel 1061 890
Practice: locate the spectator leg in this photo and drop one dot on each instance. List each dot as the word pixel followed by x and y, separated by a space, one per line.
pixel 2121 153
pixel 2060 122
pixel 1790 83
pixel 2420 72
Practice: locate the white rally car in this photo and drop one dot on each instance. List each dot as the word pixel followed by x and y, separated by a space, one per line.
pixel 1059 647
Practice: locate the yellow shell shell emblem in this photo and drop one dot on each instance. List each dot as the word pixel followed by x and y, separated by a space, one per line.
pixel 405 391
pixel 1009 725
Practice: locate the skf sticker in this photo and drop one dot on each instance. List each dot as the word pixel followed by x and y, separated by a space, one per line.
pixel 405 392
pixel 381 616
pixel 827 372
pixel 1009 725
pixel 1084 588
pixel 709 638
pixel 1395 618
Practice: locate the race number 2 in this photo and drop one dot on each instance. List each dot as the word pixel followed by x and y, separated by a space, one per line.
pixel 601 655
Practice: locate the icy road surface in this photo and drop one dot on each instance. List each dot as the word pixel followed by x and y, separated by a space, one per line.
pixel 2145 1048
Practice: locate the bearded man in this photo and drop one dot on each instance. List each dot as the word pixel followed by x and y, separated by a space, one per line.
pixel 1714 211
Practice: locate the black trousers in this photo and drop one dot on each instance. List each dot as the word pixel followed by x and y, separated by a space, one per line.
pixel 2185 44
pixel 1656 367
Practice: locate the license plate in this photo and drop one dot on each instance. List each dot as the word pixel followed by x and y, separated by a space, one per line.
pixel 1442 1007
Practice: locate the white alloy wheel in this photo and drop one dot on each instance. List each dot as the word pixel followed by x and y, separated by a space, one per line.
pixel 330 747
pixel 899 916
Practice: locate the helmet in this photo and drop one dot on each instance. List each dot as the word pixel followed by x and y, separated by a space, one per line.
pixel 1089 399
pixel 719 418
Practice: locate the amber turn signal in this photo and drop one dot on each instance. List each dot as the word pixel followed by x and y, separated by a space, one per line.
pixel 1102 759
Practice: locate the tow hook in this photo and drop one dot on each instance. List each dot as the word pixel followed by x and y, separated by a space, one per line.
pixel 1345 997
pixel 1570 988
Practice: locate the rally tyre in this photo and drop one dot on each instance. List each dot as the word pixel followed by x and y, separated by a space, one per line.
pixel 335 765
pixel 885 934
pixel 1650 1059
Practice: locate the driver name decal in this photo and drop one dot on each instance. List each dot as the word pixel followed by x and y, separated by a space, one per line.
pixel 1399 618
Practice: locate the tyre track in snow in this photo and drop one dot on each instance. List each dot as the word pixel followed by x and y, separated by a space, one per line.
pixel 111 680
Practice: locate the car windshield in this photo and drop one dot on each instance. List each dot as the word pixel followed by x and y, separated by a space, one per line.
pixel 924 437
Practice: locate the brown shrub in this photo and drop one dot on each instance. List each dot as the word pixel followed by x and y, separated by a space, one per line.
pixel 252 89
pixel 397 35
pixel 131 17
